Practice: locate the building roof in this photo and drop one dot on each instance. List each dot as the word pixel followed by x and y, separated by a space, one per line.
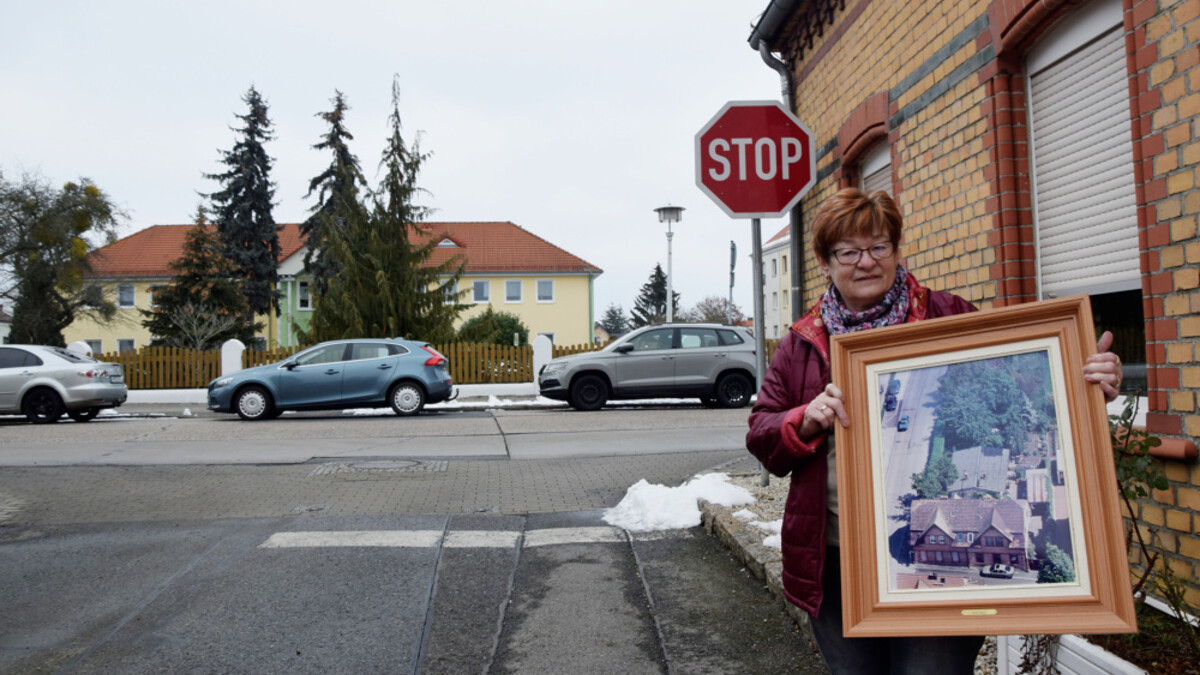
pixel 489 248
pixel 980 468
pixel 971 515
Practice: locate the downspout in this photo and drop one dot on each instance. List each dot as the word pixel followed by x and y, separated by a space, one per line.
pixel 797 213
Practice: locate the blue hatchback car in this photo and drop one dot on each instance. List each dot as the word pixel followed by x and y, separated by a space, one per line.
pixel 404 374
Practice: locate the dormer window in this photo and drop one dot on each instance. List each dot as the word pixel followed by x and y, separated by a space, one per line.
pixel 447 243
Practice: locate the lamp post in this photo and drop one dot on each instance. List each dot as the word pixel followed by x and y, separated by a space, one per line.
pixel 668 215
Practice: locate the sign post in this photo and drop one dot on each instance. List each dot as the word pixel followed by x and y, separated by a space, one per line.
pixel 755 160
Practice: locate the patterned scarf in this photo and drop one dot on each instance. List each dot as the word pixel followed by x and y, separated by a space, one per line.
pixel 891 310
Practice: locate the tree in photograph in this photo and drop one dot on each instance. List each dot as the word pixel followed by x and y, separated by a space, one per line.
pixel 388 285
pixel 714 309
pixel 650 306
pixel 614 320
pixel 45 237
pixel 497 328
pixel 203 305
pixel 337 190
pixel 241 210
pixel 1056 567
pixel 935 481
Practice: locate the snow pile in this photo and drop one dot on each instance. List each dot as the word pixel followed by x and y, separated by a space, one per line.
pixel 647 507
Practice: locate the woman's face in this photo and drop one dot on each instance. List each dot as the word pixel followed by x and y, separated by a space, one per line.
pixel 864 283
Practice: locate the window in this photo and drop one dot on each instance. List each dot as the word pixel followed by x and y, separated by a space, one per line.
pixel 938 556
pixel 653 339
pixel 954 556
pixel 152 294
pixel 97 346
pixel 319 355
pixel 545 290
pixel 694 338
pixel 1082 175
pixel 125 296
pixel 774 267
pixel 451 291
pixel 512 290
pixel 124 345
pixel 959 537
pixel 774 300
pixel 784 259
pixel 875 170
pixel 303 299
pixel 729 337
pixel 371 351
pixel 481 291
pixel 13 358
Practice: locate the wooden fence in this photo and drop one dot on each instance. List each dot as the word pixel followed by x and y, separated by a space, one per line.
pixel 470 363
pixel 167 367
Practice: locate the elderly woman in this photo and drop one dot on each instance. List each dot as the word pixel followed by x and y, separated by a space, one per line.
pixel 856 238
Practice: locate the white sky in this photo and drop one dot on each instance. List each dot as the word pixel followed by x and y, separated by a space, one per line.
pixel 573 120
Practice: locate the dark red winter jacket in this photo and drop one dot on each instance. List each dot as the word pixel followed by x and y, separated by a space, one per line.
pixel 799 371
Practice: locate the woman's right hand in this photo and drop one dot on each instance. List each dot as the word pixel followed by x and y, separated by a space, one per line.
pixel 822 411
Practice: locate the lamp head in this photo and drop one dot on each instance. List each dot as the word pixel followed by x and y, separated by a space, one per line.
pixel 669 214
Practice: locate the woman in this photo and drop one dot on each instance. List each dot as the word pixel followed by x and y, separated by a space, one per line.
pixel 856 239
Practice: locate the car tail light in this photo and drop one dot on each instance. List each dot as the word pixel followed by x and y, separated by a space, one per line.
pixel 94 374
pixel 435 359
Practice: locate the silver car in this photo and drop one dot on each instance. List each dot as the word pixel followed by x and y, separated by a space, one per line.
pixel 713 362
pixel 42 383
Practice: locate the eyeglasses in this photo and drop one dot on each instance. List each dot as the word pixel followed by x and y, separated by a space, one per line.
pixel 850 256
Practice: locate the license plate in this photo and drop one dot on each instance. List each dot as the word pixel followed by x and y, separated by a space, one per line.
pixel 117 379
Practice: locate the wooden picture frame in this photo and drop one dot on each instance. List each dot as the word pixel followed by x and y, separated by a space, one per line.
pixel 918 535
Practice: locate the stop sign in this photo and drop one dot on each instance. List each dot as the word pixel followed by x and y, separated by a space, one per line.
pixel 755 159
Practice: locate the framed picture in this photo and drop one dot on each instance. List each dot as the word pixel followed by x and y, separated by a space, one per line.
pixel 976 487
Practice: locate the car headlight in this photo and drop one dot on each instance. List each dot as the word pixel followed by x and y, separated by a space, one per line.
pixel 220 382
pixel 552 368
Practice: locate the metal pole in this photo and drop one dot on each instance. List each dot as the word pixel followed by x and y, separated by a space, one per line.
pixel 670 293
pixel 760 342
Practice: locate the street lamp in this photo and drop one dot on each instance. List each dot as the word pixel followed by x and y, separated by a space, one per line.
pixel 668 215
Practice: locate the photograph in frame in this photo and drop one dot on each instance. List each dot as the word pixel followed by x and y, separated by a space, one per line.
pixel 991 502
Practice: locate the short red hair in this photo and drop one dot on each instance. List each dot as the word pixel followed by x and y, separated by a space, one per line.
pixel 850 212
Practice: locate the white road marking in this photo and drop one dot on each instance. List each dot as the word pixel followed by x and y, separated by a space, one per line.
pixel 453 539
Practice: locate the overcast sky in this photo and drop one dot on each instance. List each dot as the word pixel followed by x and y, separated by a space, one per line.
pixel 574 120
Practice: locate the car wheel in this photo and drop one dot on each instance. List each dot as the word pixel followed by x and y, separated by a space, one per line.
pixel 588 393
pixel 84 415
pixel 42 406
pixel 253 404
pixel 733 391
pixel 407 398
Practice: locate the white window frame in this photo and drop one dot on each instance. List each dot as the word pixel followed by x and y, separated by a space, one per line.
pixel 537 289
pixel 520 286
pixel 132 344
pixel 96 345
pixel 132 296
pixel 486 296
pixel 150 292
pixel 451 293
pixel 303 296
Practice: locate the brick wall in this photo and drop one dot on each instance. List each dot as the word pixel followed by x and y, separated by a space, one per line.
pixel 948 77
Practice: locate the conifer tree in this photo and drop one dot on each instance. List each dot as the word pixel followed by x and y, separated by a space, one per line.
pixel 337 189
pixel 241 210
pixel 388 285
pixel 650 306
pixel 203 306
pixel 614 320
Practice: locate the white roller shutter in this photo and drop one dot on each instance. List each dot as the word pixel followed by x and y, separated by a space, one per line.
pixel 876 170
pixel 1084 202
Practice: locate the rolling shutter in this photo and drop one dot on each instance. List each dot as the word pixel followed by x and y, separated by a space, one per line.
pixel 1083 184
pixel 876 170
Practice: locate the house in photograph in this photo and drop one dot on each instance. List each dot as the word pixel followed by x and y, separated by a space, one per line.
pixel 507 267
pixel 969 532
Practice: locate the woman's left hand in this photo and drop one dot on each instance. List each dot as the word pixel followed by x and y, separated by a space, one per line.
pixel 1104 368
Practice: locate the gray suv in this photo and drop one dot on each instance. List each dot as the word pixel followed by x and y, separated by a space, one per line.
pixel 711 361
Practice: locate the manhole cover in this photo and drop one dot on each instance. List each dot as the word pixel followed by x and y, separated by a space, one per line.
pixel 380 466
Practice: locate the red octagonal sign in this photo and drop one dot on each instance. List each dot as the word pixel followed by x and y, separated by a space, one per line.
pixel 755 159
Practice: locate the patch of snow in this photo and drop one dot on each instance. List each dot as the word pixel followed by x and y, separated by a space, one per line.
pixel 745 514
pixel 649 506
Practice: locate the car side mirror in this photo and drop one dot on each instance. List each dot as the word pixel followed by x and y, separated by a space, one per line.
pixel 624 349
pixel 290 365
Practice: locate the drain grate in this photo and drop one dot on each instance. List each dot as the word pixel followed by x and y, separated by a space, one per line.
pixel 381 466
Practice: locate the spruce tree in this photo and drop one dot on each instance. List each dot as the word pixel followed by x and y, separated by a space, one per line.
pixel 242 208
pixel 650 306
pixel 614 320
pixel 337 189
pixel 203 306
pixel 387 285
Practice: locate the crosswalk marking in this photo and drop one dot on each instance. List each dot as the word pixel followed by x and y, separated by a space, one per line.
pixel 453 539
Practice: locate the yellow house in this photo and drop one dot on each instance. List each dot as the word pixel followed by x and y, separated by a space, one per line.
pixel 507 267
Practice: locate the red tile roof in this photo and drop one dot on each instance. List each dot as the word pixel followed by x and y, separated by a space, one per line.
pixel 489 248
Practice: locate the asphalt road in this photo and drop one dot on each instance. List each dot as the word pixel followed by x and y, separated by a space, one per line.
pixel 457 542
